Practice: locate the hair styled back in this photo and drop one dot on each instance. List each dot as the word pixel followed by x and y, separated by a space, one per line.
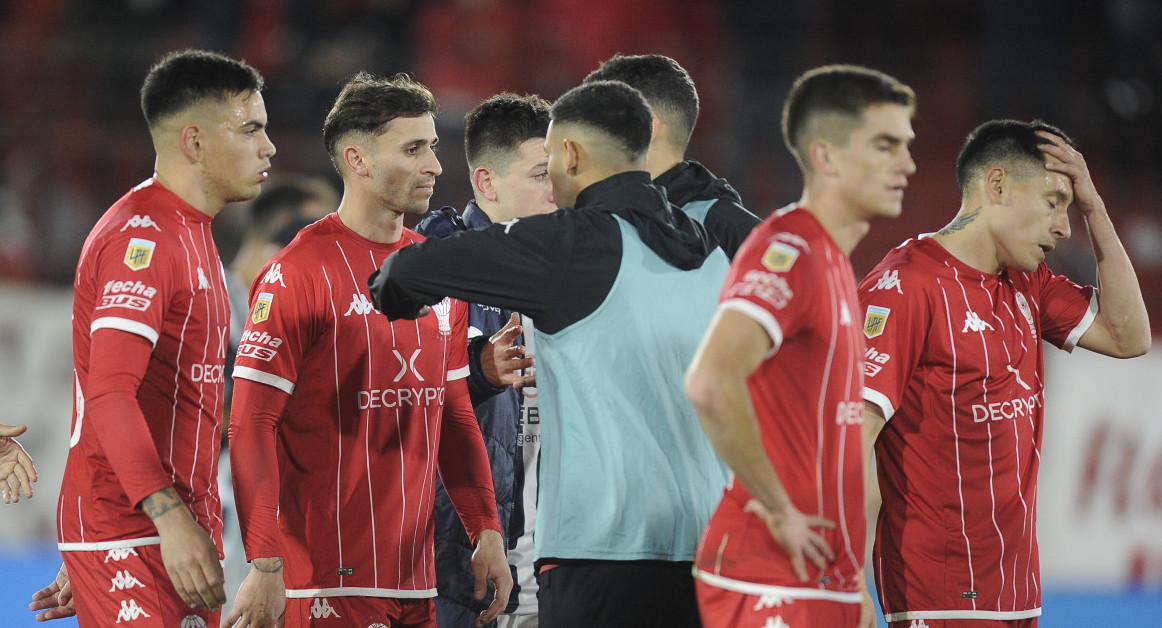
pixel 183 79
pixel 666 85
pixel 1011 144
pixel 367 103
pixel 495 129
pixel 612 108
pixel 829 103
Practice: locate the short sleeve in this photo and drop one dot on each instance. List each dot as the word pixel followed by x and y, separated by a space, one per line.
pixel 135 275
pixel 458 356
pixel 1066 309
pixel 896 319
pixel 764 284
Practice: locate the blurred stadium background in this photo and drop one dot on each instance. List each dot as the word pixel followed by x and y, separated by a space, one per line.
pixel 72 140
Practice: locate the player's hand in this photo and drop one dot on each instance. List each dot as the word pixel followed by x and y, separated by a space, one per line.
pixel 261 599
pixel 502 360
pixel 490 565
pixel 792 530
pixel 56 600
pixel 1085 196
pixel 189 556
pixel 16 469
pixel 867 608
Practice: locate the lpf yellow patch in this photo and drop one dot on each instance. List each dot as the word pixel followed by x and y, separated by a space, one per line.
pixel 139 254
pixel 261 307
pixel 874 321
pixel 780 257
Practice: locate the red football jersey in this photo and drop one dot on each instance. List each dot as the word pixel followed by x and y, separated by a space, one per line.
pixel 955 362
pixel 149 267
pixel 792 279
pixel 358 420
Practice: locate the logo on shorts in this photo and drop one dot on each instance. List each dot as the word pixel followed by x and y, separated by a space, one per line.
pixel 261 307
pixel 139 254
pixel 124 580
pixel 117 555
pixel 874 320
pixel 918 623
pixel 321 609
pixel 130 611
pixel 193 621
pixel 776 622
pixel 377 625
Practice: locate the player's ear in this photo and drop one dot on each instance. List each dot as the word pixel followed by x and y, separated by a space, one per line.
pixel 482 183
pixel 995 183
pixel 821 154
pixel 190 142
pixel 574 153
pixel 355 160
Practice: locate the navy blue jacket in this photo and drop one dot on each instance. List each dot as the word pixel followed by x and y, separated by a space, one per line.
pixel 498 411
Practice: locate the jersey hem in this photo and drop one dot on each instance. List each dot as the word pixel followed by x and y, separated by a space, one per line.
pixel 793 593
pixel 410 594
pixel 108 545
pixel 124 324
pixel 992 615
pixel 255 375
pixel 760 316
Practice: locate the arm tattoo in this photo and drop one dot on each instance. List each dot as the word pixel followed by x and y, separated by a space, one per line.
pixel 161 502
pixel 961 221
pixel 274 567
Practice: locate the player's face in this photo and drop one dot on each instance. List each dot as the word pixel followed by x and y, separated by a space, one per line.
pixel 875 164
pixel 403 164
pixel 237 149
pixel 526 189
pixel 1033 219
pixel 564 191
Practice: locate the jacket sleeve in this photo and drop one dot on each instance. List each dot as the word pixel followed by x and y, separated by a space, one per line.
pixel 730 224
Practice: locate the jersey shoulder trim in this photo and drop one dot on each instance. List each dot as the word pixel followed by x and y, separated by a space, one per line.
pixel 760 316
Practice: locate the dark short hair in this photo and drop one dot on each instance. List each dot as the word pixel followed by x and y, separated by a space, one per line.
pixel 367 103
pixel 612 108
pixel 665 84
pixel 496 128
pixel 838 90
pixel 1012 144
pixel 182 79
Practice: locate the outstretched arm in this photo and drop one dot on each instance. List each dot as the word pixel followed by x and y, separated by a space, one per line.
pixel 732 349
pixel 1122 326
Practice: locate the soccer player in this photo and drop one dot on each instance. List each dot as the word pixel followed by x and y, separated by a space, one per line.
pixel 342 417
pixel 670 92
pixel 621 288
pixel 17 472
pixel 955 375
pixel 139 519
pixel 777 378
pixel 504 141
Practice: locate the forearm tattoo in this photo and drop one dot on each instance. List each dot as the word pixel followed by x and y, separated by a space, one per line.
pixel 274 566
pixel 161 502
pixel 961 221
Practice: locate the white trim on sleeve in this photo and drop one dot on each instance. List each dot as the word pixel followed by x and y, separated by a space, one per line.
pixel 760 316
pixel 881 400
pixel 1083 326
pixel 459 373
pixel 255 375
pixel 126 325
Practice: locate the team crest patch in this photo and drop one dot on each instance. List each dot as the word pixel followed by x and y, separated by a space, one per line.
pixel 874 321
pixel 261 307
pixel 139 254
pixel 780 257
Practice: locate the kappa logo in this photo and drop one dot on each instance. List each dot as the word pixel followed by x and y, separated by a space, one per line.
pixel 918 623
pixel 118 555
pixel 139 254
pixel 780 257
pixel 261 307
pixel 274 274
pixel 972 322
pixel 140 222
pixel 890 280
pixel 772 600
pixel 442 310
pixel 322 609
pixel 360 305
pixel 875 320
pixel 203 280
pixel 508 224
pixel 124 580
pixel 776 622
pixel 193 621
pixel 130 611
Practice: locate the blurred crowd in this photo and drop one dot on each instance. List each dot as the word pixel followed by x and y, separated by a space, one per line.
pixel 72 139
